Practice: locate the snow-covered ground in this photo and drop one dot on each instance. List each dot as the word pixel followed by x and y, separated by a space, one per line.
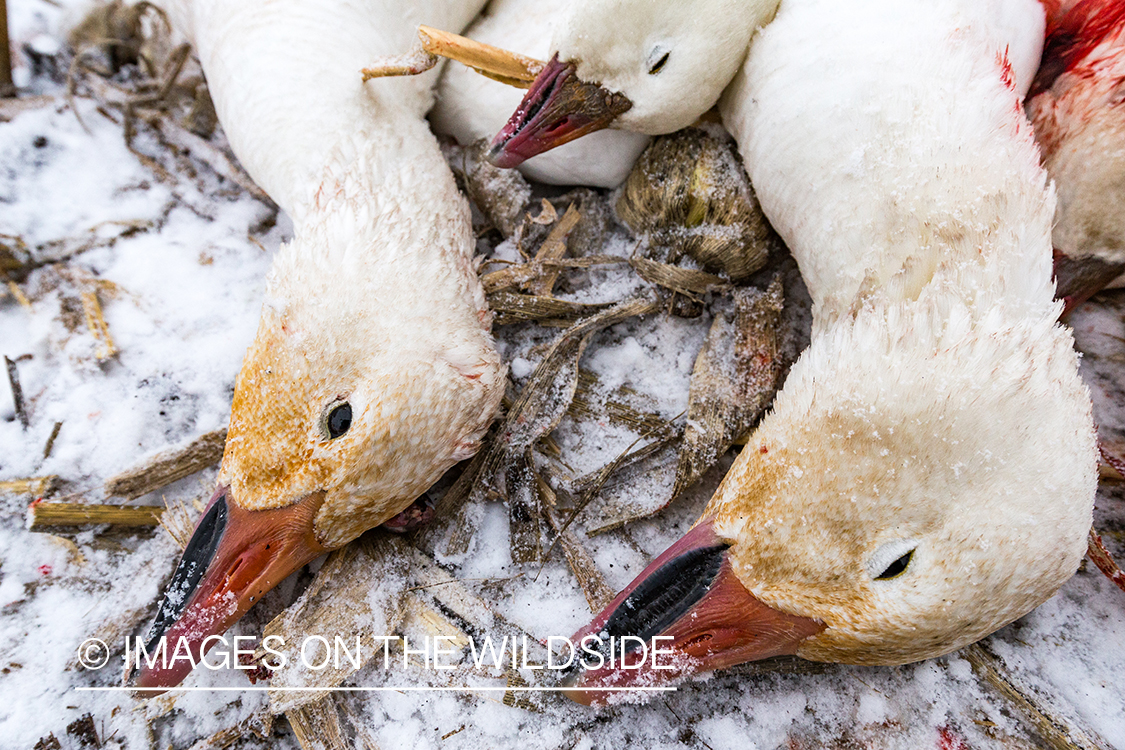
pixel 178 266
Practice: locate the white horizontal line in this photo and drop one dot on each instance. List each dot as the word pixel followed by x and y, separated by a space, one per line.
pixel 465 688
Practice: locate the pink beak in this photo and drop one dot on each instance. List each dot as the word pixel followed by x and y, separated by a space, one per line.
pixel 556 109
pixel 701 616
pixel 234 557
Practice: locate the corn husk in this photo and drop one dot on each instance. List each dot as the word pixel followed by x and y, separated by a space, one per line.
pixel 523 510
pixel 549 390
pixel 688 195
pixel 598 593
pixel 735 377
pixel 510 307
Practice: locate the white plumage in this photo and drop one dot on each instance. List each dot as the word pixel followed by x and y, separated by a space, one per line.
pixel 376 298
pixel 939 402
pixel 927 472
pixel 374 307
pixel 619 43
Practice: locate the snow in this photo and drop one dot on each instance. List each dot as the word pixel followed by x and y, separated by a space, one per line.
pixel 182 304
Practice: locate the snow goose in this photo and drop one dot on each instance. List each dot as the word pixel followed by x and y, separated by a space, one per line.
pixel 373 370
pixel 927 473
pixel 649 68
pixel 1078 111
pixel 471 107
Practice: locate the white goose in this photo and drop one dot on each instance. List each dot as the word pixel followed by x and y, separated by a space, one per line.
pixel 470 107
pixel 927 473
pixel 649 68
pixel 373 370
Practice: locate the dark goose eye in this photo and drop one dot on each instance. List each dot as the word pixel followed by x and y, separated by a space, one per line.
pixel 659 64
pixel 896 568
pixel 339 420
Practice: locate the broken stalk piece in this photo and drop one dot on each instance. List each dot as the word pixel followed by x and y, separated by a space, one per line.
pixel 492 62
pixel 41 514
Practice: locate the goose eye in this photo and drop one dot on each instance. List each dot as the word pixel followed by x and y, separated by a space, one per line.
pixel 891 559
pixel 896 568
pixel 659 64
pixel 339 420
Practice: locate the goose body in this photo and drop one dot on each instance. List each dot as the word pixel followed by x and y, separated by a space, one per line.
pixel 471 107
pixel 373 369
pixel 927 472
pixel 1078 112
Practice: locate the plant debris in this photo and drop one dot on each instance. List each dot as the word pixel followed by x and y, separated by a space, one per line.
pixel 736 375
pixel 1056 731
pixel 339 602
pixel 549 390
pixel 34 486
pixel 95 321
pixel 17 392
pixel 1105 562
pixel 43 514
pixel 502 195
pixel 688 195
pixel 433 44
pixel 165 468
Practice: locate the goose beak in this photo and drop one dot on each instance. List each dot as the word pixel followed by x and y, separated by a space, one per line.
pixel 701 616
pixel 556 109
pixel 234 557
pixel 1079 279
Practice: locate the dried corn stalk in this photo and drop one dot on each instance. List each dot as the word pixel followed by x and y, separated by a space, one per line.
pixel 17 391
pixel 734 379
pixel 492 62
pixel 521 274
pixel 40 514
pixel 468 611
pixel 95 321
pixel 689 195
pixel 171 466
pixel 554 248
pixel 316 724
pixel 594 587
pixel 34 486
pixel 1057 732
pixel 258 724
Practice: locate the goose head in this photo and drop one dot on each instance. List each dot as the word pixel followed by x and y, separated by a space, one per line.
pixel 647 68
pixel 906 497
pixel 357 393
